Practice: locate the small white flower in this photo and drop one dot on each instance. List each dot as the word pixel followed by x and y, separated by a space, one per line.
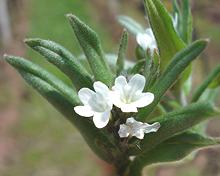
pixel 137 129
pixel 96 104
pixel 175 20
pixel 147 40
pixel 128 96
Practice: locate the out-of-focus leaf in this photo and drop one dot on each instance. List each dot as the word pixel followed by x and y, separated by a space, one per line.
pixel 176 122
pixel 96 138
pixel 187 27
pixel 212 81
pixel 63 59
pixel 122 52
pixel 91 46
pixel 137 67
pixel 131 25
pixel 177 65
pixel 173 149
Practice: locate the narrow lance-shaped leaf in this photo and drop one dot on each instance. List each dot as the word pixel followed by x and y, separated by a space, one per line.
pixel 96 138
pixel 176 122
pixel 130 24
pixel 63 59
pixel 173 149
pixel 122 52
pixel 168 41
pixel 27 66
pixel 91 46
pixel 186 22
pixel 211 77
pixel 178 64
pixel 137 67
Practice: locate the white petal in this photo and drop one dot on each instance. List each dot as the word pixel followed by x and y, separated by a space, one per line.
pixel 85 94
pixel 84 111
pixel 137 83
pixel 124 131
pixel 139 134
pixel 151 128
pixel 101 119
pixel 128 108
pixel 149 32
pixel 144 100
pixel 130 120
pixel 101 88
pixel 120 83
pixel 115 98
pixel 144 40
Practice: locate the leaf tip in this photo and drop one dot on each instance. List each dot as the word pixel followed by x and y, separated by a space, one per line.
pixel 32 42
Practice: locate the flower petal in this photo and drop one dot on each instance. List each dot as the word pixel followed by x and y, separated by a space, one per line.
pixel 101 88
pixel 137 83
pixel 124 131
pixel 138 134
pixel 128 108
pixel 130 120
pixel 151 128
pixel 144 100
pixel 120 83
pixel 84 111
pixel 144 40
pixel 85 94
pixel 101 119
pixel 115 98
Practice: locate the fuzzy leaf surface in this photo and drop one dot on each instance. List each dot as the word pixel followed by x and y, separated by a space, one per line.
pixel 62 59
pixel 173 71
pixel 173 149
pixel 91 46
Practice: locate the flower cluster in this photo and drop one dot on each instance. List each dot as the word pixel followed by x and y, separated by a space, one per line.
pixel 126 95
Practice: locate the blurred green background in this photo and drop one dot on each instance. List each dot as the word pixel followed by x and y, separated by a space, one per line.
pixel 35 140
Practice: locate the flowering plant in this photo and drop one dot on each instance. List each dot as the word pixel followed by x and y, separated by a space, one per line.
pixel 115 103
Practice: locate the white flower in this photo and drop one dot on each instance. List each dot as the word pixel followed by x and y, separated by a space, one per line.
pixel 96 104
pixel 175 20
pixel 137 129
pixel 128 96
pixel 147 40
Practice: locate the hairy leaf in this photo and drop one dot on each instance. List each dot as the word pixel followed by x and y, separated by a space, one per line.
pixel 27 66
pixel 173 149
pixel 122 52
pixel 63 59
pixel 91 46
pixel 177 65
pixel 176 122
pixel 96 138
pixel 213 76
pixel 168 41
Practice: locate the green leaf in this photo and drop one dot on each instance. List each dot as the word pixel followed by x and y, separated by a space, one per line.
pixel 177 65
pixel 131 25
pixel 63 59
pixel 122 52
pixel 137 67
pixel 27 66
pixel 187 22
pixel 91 46
pixel 97 139
pixel 168 41
pixel 173 149
pixel 210 81
pixel 176 122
